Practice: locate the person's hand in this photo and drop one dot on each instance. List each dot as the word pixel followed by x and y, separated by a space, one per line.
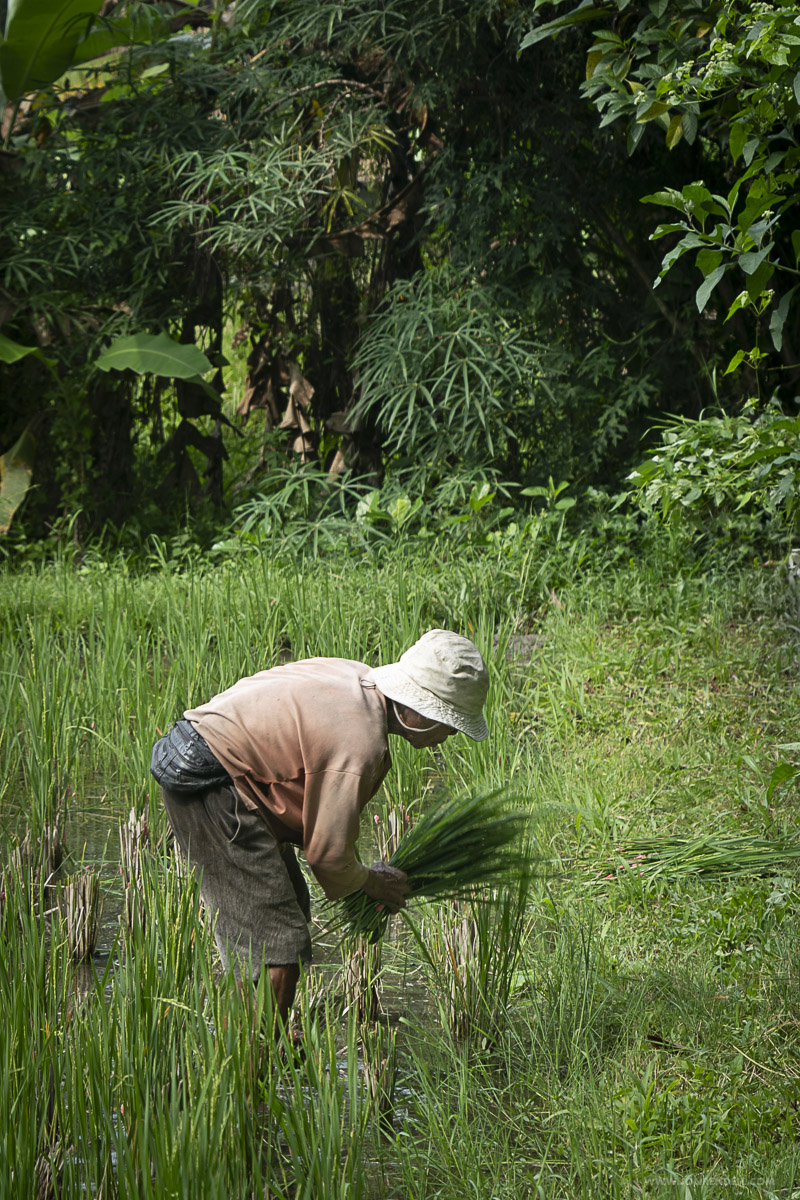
pixel 388 885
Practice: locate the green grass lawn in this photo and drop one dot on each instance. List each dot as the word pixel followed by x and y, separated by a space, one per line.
pixel 611 1032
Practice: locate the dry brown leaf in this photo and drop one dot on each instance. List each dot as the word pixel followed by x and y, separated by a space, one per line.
pixel 338 466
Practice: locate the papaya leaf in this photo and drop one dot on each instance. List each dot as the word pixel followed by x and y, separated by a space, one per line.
pixel 149 354
pixel 16 468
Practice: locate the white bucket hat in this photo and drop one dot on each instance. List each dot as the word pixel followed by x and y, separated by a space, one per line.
pixel 443 677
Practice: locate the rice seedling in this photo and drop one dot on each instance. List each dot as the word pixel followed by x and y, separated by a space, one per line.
pixel 461 841
pixel 322 1114
pixel 43 852
pixel 361 966
pixel 703 855
pixel 473 948
pixel 80 906
pixel 34 998
pixel 133 837
pixel 379 1052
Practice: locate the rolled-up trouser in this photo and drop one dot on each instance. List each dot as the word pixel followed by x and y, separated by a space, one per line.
pixel 252 884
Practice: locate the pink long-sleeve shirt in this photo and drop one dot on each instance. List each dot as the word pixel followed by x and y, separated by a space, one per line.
pixel 305 743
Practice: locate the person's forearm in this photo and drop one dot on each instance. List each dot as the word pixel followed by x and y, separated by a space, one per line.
pixel 338 878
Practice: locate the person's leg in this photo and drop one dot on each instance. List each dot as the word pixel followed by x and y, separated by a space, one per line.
pixel 246 885
pixel 284 981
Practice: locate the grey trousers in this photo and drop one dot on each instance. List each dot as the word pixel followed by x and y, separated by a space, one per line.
pixel 251 884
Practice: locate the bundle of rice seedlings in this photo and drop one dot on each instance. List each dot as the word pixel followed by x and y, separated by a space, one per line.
pixel 703 855
pixel 465 840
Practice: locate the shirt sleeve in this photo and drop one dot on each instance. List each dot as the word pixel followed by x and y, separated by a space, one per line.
pixel 332 804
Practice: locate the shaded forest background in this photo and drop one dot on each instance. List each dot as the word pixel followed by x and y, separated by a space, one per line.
pixel 409 238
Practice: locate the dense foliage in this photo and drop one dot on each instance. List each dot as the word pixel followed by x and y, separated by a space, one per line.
pixel 433 255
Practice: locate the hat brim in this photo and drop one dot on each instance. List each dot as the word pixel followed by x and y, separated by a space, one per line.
pixel 393 681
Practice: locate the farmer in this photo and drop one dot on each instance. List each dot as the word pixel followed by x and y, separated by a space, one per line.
pixel 289 757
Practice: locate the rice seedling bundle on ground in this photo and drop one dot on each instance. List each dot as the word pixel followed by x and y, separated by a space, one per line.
pixel 473 838
pixel 705 855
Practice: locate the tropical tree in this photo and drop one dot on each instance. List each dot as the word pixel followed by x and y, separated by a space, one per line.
pixel 725 77
pixel 436 259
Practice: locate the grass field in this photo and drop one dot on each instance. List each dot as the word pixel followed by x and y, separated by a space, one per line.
pixel 608 1032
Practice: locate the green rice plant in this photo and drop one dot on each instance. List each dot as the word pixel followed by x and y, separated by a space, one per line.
pixel 655 858
pixel 458 1134
pixel 46 733
pixel 461 841
pixel 639 691
pixel 35 1003
pixel 361 968
pixel 473 949
pixel 379 1050
pixel 322 1113
pixel 80 906
pixel 164 1064
pixel 576 1005
pixel 133 838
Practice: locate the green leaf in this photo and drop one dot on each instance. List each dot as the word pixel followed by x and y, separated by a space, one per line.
pixel 778 319
pixel 585 11
pixel 708 260
pixel 635 132
pixel 757 282
pixel 783 773
pixel 668 197
pixel 480 496
pixel 656 109
pixel 11 352
pixel 752 260
pixel 16 468
pixel 675 131
pixel 734 363
pixel 701 200
pixel 593 60
pixel 41 37
pixel 796 245
pixel 707 287
pixel 741 301
pixel 749 149
pixel 149 354
pixel 737 139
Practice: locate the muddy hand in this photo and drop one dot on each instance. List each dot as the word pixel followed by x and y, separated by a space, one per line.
pixel 388 885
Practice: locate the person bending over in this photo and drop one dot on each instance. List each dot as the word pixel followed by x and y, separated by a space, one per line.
pixel 289 757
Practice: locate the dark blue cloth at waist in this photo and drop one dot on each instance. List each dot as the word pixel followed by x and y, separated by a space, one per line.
pixel 182 761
